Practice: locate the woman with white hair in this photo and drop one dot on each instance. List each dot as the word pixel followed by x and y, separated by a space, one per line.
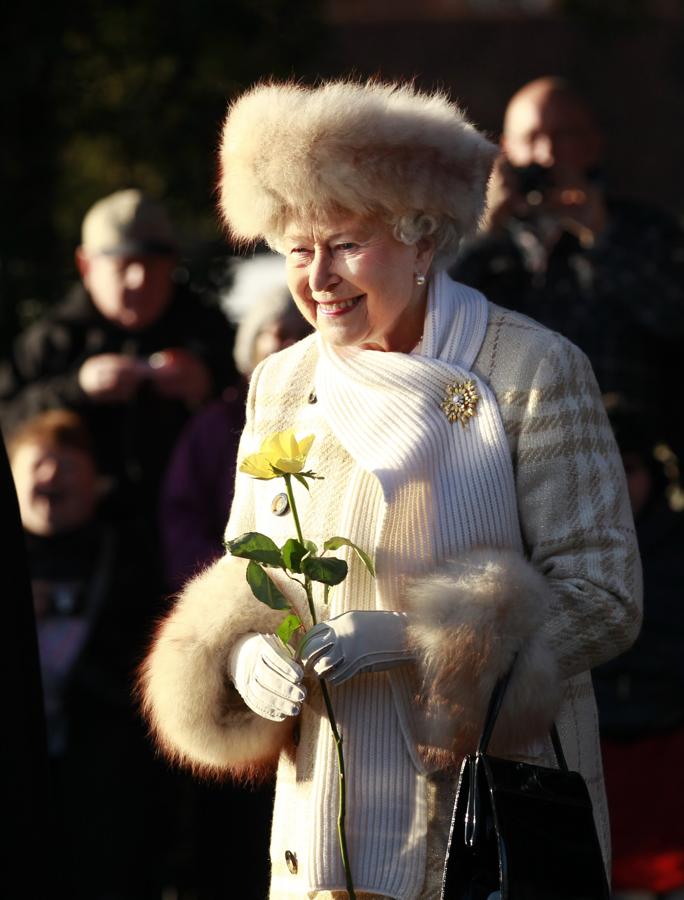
pixel 465 447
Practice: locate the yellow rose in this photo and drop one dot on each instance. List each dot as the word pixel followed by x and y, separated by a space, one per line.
pixel 280 451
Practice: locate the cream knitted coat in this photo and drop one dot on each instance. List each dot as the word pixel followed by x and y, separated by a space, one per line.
pixel 576 603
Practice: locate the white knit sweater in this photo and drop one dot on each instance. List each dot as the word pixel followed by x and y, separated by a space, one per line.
pixel 576 529
pixel 385 410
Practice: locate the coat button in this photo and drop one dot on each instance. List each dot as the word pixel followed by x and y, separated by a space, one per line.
pixel 312 398
pixel 291 862
pixel 280 505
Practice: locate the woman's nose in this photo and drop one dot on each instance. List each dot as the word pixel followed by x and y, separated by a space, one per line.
pixel 321 274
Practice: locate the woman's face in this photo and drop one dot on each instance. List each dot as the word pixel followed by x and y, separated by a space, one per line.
pixel 356 284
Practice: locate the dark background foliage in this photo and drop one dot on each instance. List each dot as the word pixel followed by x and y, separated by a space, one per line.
pixel 98 96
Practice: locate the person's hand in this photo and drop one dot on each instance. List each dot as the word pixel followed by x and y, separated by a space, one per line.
pixel 111 377
pixel 356 641
pixel 504 198
pixel 267 677
pixel 178 374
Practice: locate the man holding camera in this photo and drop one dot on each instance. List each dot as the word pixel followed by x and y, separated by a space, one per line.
pixel 551 159
pixel 606 273
pixel 131 351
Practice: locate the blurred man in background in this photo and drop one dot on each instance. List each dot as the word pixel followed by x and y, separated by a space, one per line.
pixel 129 350
pixel 606 273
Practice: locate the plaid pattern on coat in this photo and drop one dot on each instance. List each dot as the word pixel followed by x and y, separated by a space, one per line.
pixel 576 524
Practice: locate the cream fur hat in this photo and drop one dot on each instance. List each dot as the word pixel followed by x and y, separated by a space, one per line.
pixel 292 153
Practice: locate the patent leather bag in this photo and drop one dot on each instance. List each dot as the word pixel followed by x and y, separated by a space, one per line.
pixel 521 831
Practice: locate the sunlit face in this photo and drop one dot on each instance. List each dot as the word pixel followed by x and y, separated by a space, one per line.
pixel 56 487
pixel 356 283
pixel 550 129
pixel 132 291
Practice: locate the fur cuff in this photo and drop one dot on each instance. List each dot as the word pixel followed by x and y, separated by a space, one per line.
pixel 195 713
pixel 467 622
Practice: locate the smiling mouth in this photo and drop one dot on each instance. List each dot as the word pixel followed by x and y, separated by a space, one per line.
pixel 339 307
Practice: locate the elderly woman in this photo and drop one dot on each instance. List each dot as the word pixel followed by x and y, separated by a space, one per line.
pixel 465 447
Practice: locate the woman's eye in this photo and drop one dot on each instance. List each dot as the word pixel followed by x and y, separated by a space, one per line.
pixel 346 245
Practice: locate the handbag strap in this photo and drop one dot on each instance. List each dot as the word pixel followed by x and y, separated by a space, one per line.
pixel 558 748
pixel 493 709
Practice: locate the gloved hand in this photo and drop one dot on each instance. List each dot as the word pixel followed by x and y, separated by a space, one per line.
pixel 355 641
pixel 267 676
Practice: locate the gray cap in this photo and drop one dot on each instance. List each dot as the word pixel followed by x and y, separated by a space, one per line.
pixel 128 223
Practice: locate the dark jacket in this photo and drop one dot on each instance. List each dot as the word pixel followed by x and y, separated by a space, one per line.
pixel 132 440
pixel 198 488
pixel 96 598
pixel 619 300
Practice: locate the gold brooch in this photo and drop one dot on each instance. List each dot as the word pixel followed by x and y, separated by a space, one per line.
pixel 460 402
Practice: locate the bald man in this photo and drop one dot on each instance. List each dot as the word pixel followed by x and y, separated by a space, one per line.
pixel 552 151
pixel 606 273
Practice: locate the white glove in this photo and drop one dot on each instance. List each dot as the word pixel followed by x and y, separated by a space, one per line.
pixel 356 641
pixel 267 676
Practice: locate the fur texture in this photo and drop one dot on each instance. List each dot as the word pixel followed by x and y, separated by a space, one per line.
pixel 468 621
pixel 292 153
pixel 196 715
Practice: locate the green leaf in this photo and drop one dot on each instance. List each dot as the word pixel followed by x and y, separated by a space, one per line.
pixel 264 588
pixel 311 547
pixel 288 627
pixel 253 545
pixel 334 543
pixel 292 553
pixel 327 571
pixel 301 479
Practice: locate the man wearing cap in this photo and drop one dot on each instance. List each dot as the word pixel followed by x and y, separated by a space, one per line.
pixel 130 351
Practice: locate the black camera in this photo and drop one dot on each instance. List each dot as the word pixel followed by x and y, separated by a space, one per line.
pixel 533 181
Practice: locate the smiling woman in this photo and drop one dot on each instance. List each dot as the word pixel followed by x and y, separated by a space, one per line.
pixel 449 433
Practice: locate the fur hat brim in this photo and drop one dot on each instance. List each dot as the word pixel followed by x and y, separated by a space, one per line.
pixel 293 154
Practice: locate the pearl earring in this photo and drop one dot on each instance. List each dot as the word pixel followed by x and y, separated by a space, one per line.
pixel 420 279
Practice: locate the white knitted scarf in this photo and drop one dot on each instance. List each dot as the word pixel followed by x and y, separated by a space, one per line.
pixel 443 489
pixel 385 409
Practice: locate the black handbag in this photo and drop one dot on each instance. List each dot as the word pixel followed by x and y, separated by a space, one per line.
pixel 520 831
